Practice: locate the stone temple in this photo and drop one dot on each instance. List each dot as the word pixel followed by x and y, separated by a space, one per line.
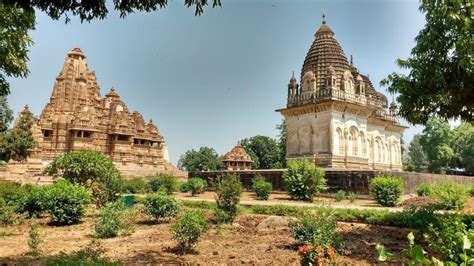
pixel 336 117
pixel 77 118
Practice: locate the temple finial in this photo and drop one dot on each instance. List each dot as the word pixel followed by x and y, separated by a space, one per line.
pixel 324 18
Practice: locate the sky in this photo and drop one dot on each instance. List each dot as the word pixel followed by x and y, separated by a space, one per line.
pixel 217 78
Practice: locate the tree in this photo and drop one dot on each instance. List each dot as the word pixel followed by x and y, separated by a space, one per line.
pixel 18 17
pixel 91 169
pixel 417 161
pixel 282 143
pixel 204 159
pixel 264 152
pixel 441 67
pixel 436 141
pixel 463 146
pixel 16 143
pixel 6 114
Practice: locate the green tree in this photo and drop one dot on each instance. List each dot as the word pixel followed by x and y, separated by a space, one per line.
pixel 281 140
pixel 18 17
pixel 417 161
pixel 6 114
pixel 441 67
pixel 436 141
pixel 204 159
pixel 16 143
pixel 463 146
pixel 91 169
pixel 264 151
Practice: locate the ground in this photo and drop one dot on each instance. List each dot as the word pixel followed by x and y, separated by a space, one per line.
pixel 241 243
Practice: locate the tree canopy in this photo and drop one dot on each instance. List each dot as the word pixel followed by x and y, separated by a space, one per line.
pixel 204 159
pixel 440 79
pixel 18 17
pixel 265 152
pixel 16 143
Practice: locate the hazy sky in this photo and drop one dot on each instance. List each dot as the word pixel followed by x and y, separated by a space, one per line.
pixel 215 79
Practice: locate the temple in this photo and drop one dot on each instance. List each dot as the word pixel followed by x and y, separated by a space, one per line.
pixel 237 159
pixel 77 118
pixel 335 117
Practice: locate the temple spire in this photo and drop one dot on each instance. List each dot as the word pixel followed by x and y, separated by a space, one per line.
pixel 324 18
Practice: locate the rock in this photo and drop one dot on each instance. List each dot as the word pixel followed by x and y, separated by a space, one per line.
pixel 273 222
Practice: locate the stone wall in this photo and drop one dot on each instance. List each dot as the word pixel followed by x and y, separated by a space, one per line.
pixel 348 180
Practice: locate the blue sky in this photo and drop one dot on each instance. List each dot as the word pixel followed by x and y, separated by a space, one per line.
pixel 215 79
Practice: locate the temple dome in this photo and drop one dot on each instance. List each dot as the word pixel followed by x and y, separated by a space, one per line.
pixel 237 154
pixel 324 52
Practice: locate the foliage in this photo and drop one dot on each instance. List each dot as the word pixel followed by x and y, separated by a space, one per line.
pixel 339 195
pixel 352 196
pixel 386 190
pixel 262 188
pixel 451 196
pixel 441 63
pixel 417 159
pixel 228 189
pixel 160 206
pixel 12 193
pixel 114 220
pixel 304 180
pixel 165 182
pixel 136 185
pixel 463 146
pixel 436 140
pixel 66 202
pixel 221 216
pixel 6 114
pixel 281 141
pixel 91 169
pixel 317 255
pixel 189 228
pixel 16 143
pixel 264 152
pixel 9 214
pixel 92 254
pixel 424 190
pixel 204 159
pixel 34 240
pixel 196 185
pixel 317 227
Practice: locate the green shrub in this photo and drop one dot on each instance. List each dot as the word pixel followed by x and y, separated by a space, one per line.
pixel 34 240
pixel 339 195
pixel 9 214
pixel 196 185
pixel 91 255
pixel 13 193
pixel 188 229
pixel 35 202
pixel 136 185
pixel 262 188
pixel 183 187
pixel 386 190
pixel 304 180
pixel 160 206
pixel 66 202
pixel 450 195
pixel 91 169
pixel 114 220
pixel 317 227
pixel 424 190
pixel 352 196
pixel 228 189
pixel 166 182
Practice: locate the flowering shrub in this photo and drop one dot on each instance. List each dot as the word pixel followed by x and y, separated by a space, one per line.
pixel 317 255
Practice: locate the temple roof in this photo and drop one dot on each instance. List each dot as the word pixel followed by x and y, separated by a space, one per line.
pixel 237 154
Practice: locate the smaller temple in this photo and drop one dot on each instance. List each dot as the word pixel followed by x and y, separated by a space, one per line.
pixel 237 159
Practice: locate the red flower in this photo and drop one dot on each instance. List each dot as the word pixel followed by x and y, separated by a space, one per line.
pixel 303 249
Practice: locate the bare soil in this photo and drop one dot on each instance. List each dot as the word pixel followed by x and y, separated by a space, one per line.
pixel 241 243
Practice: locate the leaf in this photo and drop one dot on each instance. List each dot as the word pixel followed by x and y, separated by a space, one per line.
pixel 411 238
pixel 466 243
pixel 382 254
pixel 418 254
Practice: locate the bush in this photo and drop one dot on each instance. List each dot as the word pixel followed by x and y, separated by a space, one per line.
pixel 34 240
pixel 352 196
pixel 386 190
pixel 183 187
pixel 317 227
pixel 9 214
pixel 66 202
pixel 339 195
pixel 304 180
pixel 114 220
pixel 228 189
pixel 424 190
pixel 188 229
pixel 136 185
pixel 35 202
pixel 91 255
pixel 12 193
pixel 160 206
pixel 262 188
pixel 166 182
pixel 196 185
pixel 91 169
pixel 450 195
